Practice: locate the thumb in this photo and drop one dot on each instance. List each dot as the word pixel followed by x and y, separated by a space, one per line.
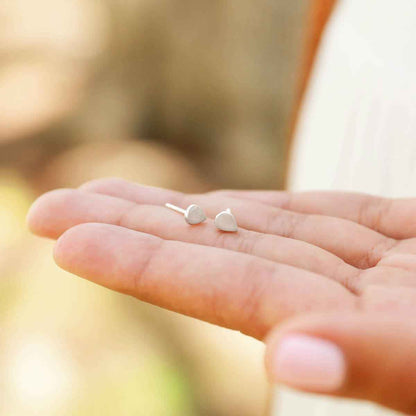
pixel 359 355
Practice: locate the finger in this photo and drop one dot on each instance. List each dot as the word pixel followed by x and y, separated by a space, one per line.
pixel 57 211
pixel 360 355
pixel 391 217
pixel 355 244
pixel 383 298
pixel 220 286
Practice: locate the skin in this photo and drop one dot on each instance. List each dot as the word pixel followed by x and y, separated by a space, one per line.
pixel 337 266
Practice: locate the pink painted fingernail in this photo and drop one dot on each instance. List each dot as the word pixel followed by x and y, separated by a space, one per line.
pixel 309 363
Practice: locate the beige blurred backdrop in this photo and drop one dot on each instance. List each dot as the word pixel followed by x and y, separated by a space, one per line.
pixel 187 94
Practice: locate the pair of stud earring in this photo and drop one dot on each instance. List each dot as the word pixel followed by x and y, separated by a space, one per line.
pixel 194 214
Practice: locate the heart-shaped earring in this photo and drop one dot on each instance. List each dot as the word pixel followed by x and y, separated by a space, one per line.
pixel 194 214
pixel 225 221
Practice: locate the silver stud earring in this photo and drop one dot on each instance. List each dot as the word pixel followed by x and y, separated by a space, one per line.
pixel 193 214
pixel 225 221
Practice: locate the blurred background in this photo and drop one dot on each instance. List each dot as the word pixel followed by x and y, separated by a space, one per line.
pixel 185 94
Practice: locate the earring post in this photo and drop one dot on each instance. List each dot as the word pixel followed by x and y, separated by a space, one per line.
pixel 175 208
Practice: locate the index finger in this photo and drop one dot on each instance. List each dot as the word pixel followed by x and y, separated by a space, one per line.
pixel 223 287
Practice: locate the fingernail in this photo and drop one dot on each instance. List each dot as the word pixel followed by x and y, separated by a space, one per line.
pixel 309 363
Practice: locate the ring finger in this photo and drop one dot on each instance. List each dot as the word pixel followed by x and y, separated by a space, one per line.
pixel 354 243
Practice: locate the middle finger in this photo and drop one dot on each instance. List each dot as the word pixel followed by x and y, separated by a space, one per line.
pixel 60 210
pixel 354 243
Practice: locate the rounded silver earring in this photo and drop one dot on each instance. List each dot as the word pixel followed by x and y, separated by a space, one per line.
pixel 225 221
pixel 194 214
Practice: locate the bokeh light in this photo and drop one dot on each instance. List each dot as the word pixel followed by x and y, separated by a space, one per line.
pixel 183 94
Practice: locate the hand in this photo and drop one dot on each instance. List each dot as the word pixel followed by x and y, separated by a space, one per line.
pixel 347 258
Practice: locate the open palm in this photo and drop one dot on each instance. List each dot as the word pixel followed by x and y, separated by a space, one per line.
pixel 294 253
